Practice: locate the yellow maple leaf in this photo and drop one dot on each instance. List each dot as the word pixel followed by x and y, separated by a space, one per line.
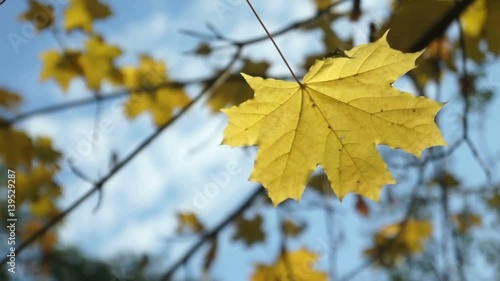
pixel 41 15
pixel 81 14
pixel 335 118
pixel 98 63
pixel 249 230
pixel 61 67
pixel 149 92
pixel 395 241
pixel 295 265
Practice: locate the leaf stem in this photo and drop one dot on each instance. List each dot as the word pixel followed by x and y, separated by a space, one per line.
pixel 274 43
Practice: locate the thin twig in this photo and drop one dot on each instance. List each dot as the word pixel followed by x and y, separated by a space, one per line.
pixel 283 249
pixel 274 43
pixel 79 173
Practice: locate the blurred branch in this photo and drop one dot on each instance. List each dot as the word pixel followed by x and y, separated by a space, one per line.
pixel 79 173
pixel 290 27
pixel 440 27
pixel 412 206
pixel 283 249
pixel 94 99
pixel 330 235
pixel 465 96
pixel 191 251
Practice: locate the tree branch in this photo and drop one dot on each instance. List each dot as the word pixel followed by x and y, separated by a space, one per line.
pixel 233 215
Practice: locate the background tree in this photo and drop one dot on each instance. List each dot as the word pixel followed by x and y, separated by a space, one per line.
pixel 111 121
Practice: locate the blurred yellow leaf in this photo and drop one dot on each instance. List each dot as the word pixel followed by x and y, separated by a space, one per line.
pixel 335 118
pixel 41 15
pixel 292 229
pixel 47 242
pixel 297 265
pixel 35 184
pixel 61 67
pixel 481 21
pixel 321 184
pixel 82 13
pixel 187 222
pixel 35 164
pixel 491 26
pixel 203 49
pixel 15 148
pixel 149 81
pixel 466 221
pixel 44 151
pixel 98 63
pixel 250 231
pixel 473 18
pixel 396 241
pixel 473 49
pixel 410 20
pixel 447 179
pixel 235 90
pixel 430 64
pixel 9 100
pixel 322 4
pixel 494 201
pixel 44 207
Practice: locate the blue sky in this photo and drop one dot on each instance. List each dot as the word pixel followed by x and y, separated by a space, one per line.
pixel 139 203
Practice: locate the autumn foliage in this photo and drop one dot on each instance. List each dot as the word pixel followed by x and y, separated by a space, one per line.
pixel 338 135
